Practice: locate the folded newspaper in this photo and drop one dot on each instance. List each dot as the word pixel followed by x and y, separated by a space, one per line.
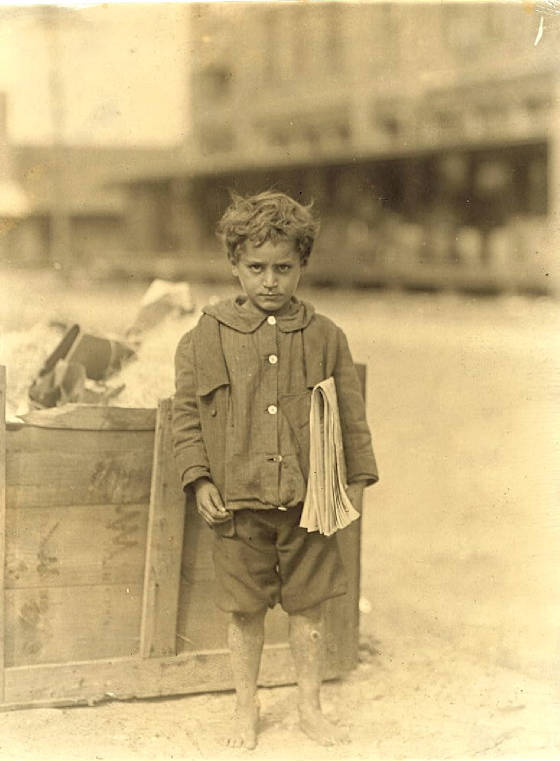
pixel 327 507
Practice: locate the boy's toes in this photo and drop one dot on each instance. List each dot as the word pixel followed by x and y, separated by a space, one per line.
pixel 244 730
pixel 322 731
pixel 242 740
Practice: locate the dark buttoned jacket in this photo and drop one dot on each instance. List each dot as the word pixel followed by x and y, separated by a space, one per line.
pixel 200 406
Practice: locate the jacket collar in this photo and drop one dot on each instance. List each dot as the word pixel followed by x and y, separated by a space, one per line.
pixel 211 366
pixel 241 315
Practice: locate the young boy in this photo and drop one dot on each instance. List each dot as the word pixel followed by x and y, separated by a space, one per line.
pixel 241 435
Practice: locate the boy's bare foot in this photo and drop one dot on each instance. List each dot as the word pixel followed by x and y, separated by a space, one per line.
pixel 245 727
pixel 317 727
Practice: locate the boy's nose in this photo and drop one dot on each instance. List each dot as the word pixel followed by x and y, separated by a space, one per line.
pixel 269 279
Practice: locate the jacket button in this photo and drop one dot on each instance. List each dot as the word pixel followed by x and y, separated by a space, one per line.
pixel 271 319
pixel 273 359
pixel 213 412
pixel 272 409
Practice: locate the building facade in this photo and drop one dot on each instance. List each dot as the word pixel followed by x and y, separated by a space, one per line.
pixel 290 81
pixel 426 134
pixel 66 207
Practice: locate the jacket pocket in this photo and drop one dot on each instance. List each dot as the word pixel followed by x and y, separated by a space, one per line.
pixel 212 409
pixel 207 405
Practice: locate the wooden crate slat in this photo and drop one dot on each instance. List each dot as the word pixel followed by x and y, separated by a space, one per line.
pixel 73 476
pixel 75 545
pixel 201 624
pixel 197 562
pixel 122 678
pixel 57 625
pixel 342 613
pixel 29 438
pixel 93 418
pixel 164 545
pixel 199 618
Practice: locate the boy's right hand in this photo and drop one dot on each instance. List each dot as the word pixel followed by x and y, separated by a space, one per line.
pixel 209 502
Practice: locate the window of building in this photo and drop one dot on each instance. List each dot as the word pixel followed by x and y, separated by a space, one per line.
pixel 342 131
pixel 389 125
pixel 278 137
pixel 448 119
pixel 386 119
pixel 536 196
pixel 538 105
pixel 216 139
pixel 216 81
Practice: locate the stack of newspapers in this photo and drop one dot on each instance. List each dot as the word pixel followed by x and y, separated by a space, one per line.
pixel 327 507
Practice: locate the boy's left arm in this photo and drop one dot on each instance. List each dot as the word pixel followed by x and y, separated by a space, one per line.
pixel 361 467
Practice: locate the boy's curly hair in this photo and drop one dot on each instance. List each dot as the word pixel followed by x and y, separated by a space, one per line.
pixel 268 216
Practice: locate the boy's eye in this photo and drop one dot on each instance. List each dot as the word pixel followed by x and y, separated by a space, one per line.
pixel 255 267
pixel 284 267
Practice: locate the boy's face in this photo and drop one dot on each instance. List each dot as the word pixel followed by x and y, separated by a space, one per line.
pixel 269 274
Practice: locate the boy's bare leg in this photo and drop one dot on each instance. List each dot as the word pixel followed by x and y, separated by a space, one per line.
pixel 245 639
pixel 306 642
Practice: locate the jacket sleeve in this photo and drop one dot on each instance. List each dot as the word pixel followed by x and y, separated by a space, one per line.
pixel 356 437
pixel 188 446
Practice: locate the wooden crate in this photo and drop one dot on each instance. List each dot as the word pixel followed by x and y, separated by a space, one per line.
pixel 106 571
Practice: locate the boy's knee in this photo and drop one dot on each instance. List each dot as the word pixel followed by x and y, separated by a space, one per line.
pixel 246 619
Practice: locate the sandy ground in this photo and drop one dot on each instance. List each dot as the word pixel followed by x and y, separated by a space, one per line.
pixel 417 698
pixel 415 694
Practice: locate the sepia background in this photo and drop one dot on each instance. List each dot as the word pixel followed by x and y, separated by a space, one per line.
pixel 428 138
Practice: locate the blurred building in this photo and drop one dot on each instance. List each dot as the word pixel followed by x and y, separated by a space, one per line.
pixel 95 206
pixel 13 200
pixel 41 182
pixel 427 134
